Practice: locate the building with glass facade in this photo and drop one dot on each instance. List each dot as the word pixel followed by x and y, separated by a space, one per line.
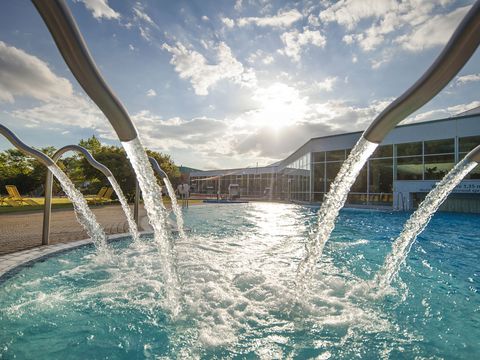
pixel 405 166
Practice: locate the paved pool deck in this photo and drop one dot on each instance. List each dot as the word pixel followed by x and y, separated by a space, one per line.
pixel 21 231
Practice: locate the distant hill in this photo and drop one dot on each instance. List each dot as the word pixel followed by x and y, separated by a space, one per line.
pixel 186 169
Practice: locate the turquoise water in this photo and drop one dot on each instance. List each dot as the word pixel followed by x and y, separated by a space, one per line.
pixel 237 293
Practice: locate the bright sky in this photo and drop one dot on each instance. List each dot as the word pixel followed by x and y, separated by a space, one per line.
pixel 228 83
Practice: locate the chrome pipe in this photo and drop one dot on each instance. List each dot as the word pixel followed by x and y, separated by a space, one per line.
pixel 20 145
pixel 47 211
pixel 453 57
pixel 74 50
pixel 38 155
pixel 474 155
pixel 137 202
pixel 157 168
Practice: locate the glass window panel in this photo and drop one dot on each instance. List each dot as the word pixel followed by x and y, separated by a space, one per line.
pixel 383 151
pixel 440 146
pixel 360 184
pixel 410 168
pixel 335 155
pixel 381 176
pixel 466 144
pixel 437 166
pixel 318 177
pixel 332 170
pixel 318 156
pixel 407 149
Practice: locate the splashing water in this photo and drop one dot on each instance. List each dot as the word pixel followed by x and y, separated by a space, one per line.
pixel 418 221
pixel 152 196
pixel 176 209
pixel 84 215
pixel 126 209
pixel 334 201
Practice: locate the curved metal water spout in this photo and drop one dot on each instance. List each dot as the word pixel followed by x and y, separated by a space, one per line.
pixel 474 155
pixel 62 26
pixel 44 159
pixel 49 184
pixel 453 57
pixel 157 167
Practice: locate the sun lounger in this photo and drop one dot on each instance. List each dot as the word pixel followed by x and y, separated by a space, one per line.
pixel 104 195
pixel 15 199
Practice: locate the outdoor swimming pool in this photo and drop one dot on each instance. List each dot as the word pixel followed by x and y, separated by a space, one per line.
pixel 237 293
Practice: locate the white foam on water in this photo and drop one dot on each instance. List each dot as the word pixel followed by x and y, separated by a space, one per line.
pixel 84 215
pixel 331 206
pixel 176 209
pixel 237 293
pixel 418 221
pixel 126 209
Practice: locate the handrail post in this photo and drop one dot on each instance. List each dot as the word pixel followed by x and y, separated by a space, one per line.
pixel 47 208
pixel 137 202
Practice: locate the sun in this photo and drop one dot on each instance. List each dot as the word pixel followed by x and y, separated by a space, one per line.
pixel 280 106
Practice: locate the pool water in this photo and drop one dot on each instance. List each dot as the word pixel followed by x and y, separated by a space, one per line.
pixel 237 296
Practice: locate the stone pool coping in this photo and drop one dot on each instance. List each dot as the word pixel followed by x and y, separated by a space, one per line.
pixel 11 264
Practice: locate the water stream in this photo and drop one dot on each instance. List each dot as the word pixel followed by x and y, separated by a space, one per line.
pixel 332 204
pixel 126 209
pixel 84 215
pixel 418 221
pixel 176 209
pixel 152 197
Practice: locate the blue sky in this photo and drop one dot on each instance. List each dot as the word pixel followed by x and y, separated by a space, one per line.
pixel 229 83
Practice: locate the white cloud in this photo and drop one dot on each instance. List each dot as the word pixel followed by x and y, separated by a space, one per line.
pixel 22 74
pixel 151 93
pixel 350 12
pixel 100 9
pixel 465 79
pixel 422 23
pixel 64 113
pixel 192 65
pixel 327 84
pixel 140 14
pixel 435 31
pixel 295 41
pixel 228 22
pixel 282 19
pixel 260 55
pixel 238 5
pixel 142 21
pixel 441 112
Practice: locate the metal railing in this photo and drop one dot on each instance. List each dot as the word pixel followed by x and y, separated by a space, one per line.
pixel 49 184
pixel 453 57
pixel 20 145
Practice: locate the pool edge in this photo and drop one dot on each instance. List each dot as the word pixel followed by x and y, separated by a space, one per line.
pixel 12 263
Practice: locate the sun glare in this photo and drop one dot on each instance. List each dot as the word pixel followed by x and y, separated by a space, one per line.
pixel 279 106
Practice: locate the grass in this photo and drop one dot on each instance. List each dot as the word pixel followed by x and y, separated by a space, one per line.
pixel 62 203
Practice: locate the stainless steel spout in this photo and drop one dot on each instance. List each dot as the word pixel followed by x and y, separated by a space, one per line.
pixel 453 57
pixel 44 159
pixel 157 167
pixel 72 46
pixel 47 212
pixel 474 155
